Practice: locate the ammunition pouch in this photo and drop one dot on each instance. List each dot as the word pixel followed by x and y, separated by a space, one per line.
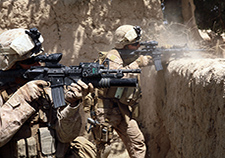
pixel 47 141
pixel 126 98
pixel 109 98
pixel 102 132
pixel 27 146
pixel 128 95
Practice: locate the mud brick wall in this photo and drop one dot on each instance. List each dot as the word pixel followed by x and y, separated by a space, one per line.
pixel 183 110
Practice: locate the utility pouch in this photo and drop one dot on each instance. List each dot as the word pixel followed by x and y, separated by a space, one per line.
pixel 119 92
pixel 130 96
pixel 103 132
pixel 32 147
pixel 21 148
pixel 27 147
pixel 109 133
pixel 47 141
pixel 110 92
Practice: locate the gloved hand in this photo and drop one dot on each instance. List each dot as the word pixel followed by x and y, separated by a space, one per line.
pixel 77 91
pixel 143 61
pixel 31 90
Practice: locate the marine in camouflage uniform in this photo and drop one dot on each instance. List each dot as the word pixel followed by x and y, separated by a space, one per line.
pixel 113 107
pixel 29 126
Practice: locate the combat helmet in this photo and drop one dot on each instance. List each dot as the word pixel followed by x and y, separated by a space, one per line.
pixel 19 44
pixel 127 34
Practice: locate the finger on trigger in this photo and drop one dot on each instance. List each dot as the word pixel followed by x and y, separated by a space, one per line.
pixel 48 83
pixel 91 87
pixel 75 87
pixel 43 83
pixel 82 84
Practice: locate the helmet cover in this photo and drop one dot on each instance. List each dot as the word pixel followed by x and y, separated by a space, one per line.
pixel 127 34
pixel 16 45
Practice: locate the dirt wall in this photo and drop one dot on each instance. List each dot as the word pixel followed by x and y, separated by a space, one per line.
pixel 182 112
pixel 193 114
pixel 78 28
pixel 182 109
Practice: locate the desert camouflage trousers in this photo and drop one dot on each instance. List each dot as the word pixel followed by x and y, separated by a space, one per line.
pixel 129 131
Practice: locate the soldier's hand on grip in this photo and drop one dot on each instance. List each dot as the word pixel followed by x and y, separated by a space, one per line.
pixel 77 91
pixel 31 90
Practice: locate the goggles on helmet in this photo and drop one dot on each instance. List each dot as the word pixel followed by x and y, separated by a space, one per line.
pixel 35 35
pixel 138 32
pixel 133 35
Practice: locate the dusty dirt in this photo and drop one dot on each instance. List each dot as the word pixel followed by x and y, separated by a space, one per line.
pixel 182 110
pixel 185 113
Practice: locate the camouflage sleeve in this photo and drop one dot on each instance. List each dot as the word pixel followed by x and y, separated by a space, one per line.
pixel 13 114
pixel 69 123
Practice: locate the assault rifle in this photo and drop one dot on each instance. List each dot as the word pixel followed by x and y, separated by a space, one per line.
pixel 150 48
pixel 59 75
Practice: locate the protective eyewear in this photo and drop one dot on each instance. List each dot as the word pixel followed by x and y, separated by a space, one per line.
pixel 135 44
